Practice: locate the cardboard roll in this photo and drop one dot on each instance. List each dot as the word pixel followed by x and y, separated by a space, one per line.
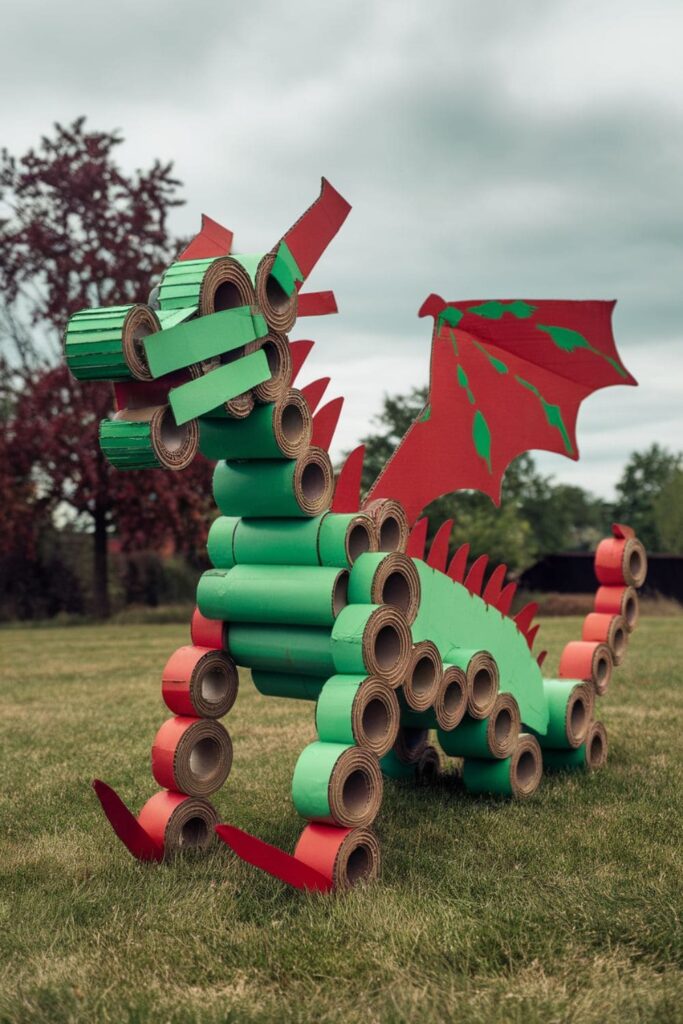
pixel 277 351
pixel 423 676
pixel 619 601
pixel 106 343
pixel 518 776
pixel 621 561
pixel 148 438
pixel 191 755
pixel 360 710
pixel 589 661
pixel 199 681
pixel 450 703
pixel 411 742
pixel 287 684
pixel 591 755
pixel 483 679
pixel 178 823
pixel 207 632
pixel 297 595
pixel 570 711
pixel 372 640
pixel 345 856
pixel 609 629
pixel 391 522
pixel 343 538
pixel 274 487
pixel 492 737
pixel 279 430
pixel 211 285
pixel 337 784
pixel 381 578
pixel 278 306
pixel 294 650
pixel 241 406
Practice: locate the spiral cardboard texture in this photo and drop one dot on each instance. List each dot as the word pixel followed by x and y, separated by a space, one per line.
pixel 391 521
pixel 381 578
pixel 517 776
pixel 483 679
pixel 492 737
pixel 343 855
pixel 570 705
pixel 281 430
pixel 268 487
pixel 148 438
pixel 279 307
pixel 589 661
pixel 621 601
pixel 360 710
pixel 191 755
pixel 590 756
pixel 337 784
pixel 106 344
pixel 621 561
pixel 371 639
pixel 178 822
pixel 199 681
pixel 609 629
pixel 276 349
pixel 423 676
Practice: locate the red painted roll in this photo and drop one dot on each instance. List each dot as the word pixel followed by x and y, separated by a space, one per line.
pixel 621 560
pixel 178 822
pixel 607 629
pixel 191 755
pixel 343 855
pixel 618 601
pixel 207 632
pixel 588 661
pixel 199 681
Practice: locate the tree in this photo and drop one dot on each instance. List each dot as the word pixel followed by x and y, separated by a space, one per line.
pixel 645 477
pixel 78 231
pixel 668 512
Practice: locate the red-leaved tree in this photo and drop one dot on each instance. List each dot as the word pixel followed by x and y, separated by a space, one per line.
pixel 77 231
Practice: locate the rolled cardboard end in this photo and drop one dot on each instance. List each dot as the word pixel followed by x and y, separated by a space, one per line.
pixel 140 322
pixel 423 676
pixel 609 629
pixel 175 446
pixel 411 743
pixel 313 481
pixel 428 767
pixel 504 725
pixel 355 788
pixel 619 601
pixel 225 285
pixel 375 716
pixel 192 755
pixel 178 823
pixel 596 746
pixel 207 632
pixel 278 307
pixel 396 582
pixel 387 645
pixel 279 358
pixel 526 767
pixel 141 438
pixel 483 680
pixel 361 537
pixel 391 522
pixel 450 704
pixel 579 714
pixel 590 661
pixel 241 406
pixel 345 856
pixel 621 561
pixel 198 681
pixel 292 424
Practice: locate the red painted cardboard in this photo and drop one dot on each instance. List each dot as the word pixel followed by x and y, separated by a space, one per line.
pixel 417 539
pixel 271 859
pixel 493 589
pixel 317 304
pixel 315 229
pixel 125 824
pixel 212 240
pixel 438 553
pixel 525 617
pixel 325 423
pixel 458 564
pixel 314 392
pixel 347 488
pixel 504 602
pixel 474 580
pixel 299 350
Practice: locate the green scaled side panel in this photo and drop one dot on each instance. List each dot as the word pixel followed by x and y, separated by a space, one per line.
pixel 182 283
pixel 93 344
pixel 127 445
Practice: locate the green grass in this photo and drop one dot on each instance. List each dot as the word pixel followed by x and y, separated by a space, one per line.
pixel 564 908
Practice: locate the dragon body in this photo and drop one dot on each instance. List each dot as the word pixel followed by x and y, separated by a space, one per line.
pixel 330 598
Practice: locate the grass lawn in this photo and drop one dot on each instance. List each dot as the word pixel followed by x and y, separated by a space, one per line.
pixel 564 908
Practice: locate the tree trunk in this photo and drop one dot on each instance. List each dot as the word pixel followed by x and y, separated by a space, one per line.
pixel 100 565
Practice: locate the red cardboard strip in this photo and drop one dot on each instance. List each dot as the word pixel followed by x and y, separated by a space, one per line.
pixel 531 635
pixel 207 632
pixel 475 577
pixel 271 859
pixel 316 304
pixel 314 392
pixel 133 836
pixel 212 240
pixel 504 602
pixel 140 394
pixel 623 532
pixel 417 539
pixel 315 229
pixel 541 658
pixel 525 617
pixel 325 423
pixel 438 553
pixel 348 485
pixel 456 570
pixel 299 351
pixel 493 589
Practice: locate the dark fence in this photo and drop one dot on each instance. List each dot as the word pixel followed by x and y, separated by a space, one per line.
pixel 573 574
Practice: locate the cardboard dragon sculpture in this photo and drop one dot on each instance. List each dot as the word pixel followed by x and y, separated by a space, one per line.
pixel 333 599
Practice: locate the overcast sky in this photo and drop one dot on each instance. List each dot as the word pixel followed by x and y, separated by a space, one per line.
pixel 489 149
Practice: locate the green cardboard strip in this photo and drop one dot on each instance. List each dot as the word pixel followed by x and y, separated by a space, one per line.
pixel 298 650
pixel 128 445
pixel 181 285
pixel 280 430
pixel 277 541
pixel 570 704
pixel 344 537
pixel 98 343
pixel 219 543
pixel 267 487
pixel 171 317
pixel 394 768
pixel 334 710
pixel 515 776
pixel 196 341
pixel 311 780
pixel 282 684
pixel 285 269
pixel 338 784
pixel 469 739
pixel 275 594
pixel 348 639
pixel 198 397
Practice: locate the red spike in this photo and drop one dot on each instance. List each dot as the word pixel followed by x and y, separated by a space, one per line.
pixel 493 588
pixel 525 617
pixel 456 570
pixel 507 594
pixel 212 240
pixel 415 548
pixel 308 238
pixel 347 489
pixel 314 391
pixel 475 577
pixel 438 553
pixel 531 635
pixel 432 306
pixel 325 423
pixel 316 304
pixel 623 532
pixel 131 833
pixel 541 658
pixel 299 350
pixel 273 860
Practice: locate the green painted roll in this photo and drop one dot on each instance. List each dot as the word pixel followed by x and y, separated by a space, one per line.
pixel 394 768
pixel 338 784
pixel 379 577
pixel 358 709
pixel 277 541
pixel 280 430
pixel 343 538
pixel 220 542
pixel 282 684
pixel 106 343
pixel 294 649
pixel 128 445
pixel 372 640
pixel 148 438
pixel 591 755
pixel 266 487
pixel 570 708
pixel 202 395
pixel 517 776
pixel 298 595
pixel 492 737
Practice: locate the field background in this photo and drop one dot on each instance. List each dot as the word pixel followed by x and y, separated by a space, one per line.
pixel 565 908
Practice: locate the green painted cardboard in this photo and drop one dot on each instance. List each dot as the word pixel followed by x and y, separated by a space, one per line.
pixel 204 338
pixel 298 650
pixel 127 445
pixel 334 708
pixel 347 638
pixel 250 438
pixel 557 692
pixel 219 543
pixel 282 684
pixel 311 779
pixel 299 595
pixel 198 397
pixel 263 487
pixel 277 541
